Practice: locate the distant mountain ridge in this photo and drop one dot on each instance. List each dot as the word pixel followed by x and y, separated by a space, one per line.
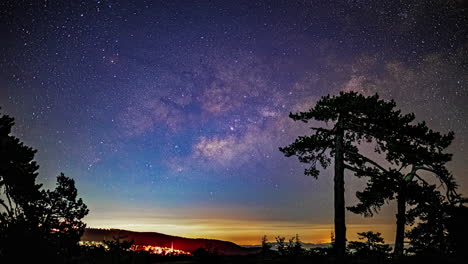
pixel 163 240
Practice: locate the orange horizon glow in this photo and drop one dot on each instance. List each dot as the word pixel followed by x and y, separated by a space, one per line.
pixel 243 232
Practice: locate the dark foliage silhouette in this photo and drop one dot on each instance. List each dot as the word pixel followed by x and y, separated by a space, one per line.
pixel 372 248
pixel 281 245
pixel 18 172
pixel 458 228
pixel 292 248
pixel 266 247
pixel 119 249
pixel 441 225
pixel 49 221
pixel 62 214
pixel 295 246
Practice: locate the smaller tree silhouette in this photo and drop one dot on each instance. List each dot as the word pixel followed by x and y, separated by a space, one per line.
pixel 118 244
pixel 294 247
pixel 119 249
pixel 281 246
pixel 62 214
pixel 372 247
pixel 266 247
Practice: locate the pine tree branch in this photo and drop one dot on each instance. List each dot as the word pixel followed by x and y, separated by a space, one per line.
pixel 368 160
pixel 362 127
pixel 375 164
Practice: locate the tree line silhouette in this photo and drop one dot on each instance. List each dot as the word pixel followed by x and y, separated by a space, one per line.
pixel 410 158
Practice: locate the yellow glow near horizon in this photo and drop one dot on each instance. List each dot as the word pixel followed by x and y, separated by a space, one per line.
pixel 238 231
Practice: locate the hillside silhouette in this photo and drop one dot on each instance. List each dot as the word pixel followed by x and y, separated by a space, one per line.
pixel 163 240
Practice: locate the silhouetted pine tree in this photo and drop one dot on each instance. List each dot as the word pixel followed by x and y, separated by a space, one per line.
pixel 410 149
pixel 62 213
pixel 355 118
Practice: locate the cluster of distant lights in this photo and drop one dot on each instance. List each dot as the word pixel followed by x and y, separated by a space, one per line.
pixel 165 251
pixel 160 250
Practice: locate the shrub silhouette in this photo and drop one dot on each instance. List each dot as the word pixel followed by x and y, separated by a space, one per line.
pixel 372 247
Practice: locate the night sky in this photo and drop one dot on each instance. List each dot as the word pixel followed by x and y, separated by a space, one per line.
pixel 169 114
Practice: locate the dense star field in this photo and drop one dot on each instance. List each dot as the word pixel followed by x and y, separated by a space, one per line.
pixel 169 114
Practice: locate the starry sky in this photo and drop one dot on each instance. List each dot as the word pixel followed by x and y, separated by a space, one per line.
pixel 169 114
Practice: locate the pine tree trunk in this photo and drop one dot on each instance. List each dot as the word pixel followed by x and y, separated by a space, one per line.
pixel 401 221
pixel 340 226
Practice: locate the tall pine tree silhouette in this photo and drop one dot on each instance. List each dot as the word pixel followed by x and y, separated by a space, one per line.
pixel 355 119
